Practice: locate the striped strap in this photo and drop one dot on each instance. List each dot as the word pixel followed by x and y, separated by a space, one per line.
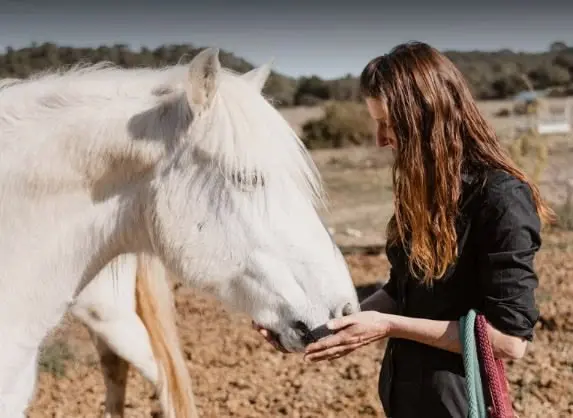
pixel 474 387
pixel 485 375
pixel 494 377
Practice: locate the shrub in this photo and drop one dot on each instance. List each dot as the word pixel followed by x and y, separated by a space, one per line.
pixel 504 112
pixel 53 358
pixel 343 124
pixel 530 152
pixel 564 211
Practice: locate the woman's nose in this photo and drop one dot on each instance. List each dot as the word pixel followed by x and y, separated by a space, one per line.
pixel 382 141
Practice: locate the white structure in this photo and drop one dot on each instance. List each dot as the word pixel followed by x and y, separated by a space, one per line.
pixel 554 118
pixel 551 117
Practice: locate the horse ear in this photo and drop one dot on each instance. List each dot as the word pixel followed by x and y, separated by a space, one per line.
pixel 203 76
pixel 259 76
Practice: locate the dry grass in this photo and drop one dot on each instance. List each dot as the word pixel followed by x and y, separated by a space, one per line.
pixel 298 116
pixel 358 182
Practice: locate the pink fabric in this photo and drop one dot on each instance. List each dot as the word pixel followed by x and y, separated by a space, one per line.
pixel 493 374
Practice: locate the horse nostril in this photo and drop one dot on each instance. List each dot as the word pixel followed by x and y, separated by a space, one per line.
pixel 301 327
pixel 307 335
pixel 347 309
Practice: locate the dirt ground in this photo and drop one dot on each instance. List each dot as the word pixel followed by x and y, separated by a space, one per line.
pixel 237 374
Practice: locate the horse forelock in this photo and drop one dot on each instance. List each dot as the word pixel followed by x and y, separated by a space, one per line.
pixel 251 139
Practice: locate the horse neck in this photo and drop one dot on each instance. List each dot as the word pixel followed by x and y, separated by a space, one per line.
pixel 98 124
pixel 85 165
pixel 100 146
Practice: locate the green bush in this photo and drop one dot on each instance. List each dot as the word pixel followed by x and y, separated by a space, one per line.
pixel 343 124
pixel 531 153
pixel 53 358
pixel 564 211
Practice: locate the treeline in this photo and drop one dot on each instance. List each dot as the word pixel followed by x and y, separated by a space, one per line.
pixel 22 62
pixel 491 75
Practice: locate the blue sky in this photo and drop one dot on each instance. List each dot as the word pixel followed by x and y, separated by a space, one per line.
pixel 329 39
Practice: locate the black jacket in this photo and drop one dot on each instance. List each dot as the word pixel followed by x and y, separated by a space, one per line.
pixel 498 236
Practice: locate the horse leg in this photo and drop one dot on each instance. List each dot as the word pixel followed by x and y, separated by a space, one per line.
pixel 125 336
pixel 113 315
pixel 115 371
pixel 106 307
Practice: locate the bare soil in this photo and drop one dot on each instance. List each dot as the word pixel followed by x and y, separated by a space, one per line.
pixel 237 374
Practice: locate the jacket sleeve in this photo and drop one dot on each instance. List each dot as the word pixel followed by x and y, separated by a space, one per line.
pixel 391 286
pixel 509 239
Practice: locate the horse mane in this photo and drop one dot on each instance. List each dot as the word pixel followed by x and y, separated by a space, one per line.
pixel 7 82
pixel 241 130
pixel 252 140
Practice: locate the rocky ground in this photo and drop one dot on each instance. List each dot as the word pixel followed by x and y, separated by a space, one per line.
pixel 236 374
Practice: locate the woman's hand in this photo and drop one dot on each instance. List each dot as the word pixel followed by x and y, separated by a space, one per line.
pixel 350 333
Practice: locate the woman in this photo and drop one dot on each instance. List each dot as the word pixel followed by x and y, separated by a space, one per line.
pixel 464 234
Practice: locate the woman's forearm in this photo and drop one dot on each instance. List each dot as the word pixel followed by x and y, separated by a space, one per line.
pixel 440 334
pixel 379 301
pixel 446 335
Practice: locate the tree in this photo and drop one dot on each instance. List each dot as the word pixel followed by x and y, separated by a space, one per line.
pixel 311 87
pixel 557 46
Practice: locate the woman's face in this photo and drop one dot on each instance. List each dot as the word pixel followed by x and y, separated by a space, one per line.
pixel 385 135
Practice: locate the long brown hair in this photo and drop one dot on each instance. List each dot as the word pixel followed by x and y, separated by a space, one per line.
pixel 440 133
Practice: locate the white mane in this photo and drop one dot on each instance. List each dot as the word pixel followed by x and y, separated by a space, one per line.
pixel 230 131
pixel 7 82
pixel 249 148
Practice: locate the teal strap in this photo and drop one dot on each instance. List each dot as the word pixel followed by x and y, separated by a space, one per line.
pixel 474 385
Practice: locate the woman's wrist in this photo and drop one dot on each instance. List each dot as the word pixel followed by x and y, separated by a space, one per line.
pixel 396 325
pixel 440 334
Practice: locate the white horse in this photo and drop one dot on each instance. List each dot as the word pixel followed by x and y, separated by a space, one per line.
pixel 189 164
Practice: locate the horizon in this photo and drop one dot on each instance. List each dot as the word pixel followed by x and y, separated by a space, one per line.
pixel 329 40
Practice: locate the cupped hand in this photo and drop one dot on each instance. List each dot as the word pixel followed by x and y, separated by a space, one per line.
pixel 349 333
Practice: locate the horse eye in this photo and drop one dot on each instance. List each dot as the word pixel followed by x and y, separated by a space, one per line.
pixel 249 181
